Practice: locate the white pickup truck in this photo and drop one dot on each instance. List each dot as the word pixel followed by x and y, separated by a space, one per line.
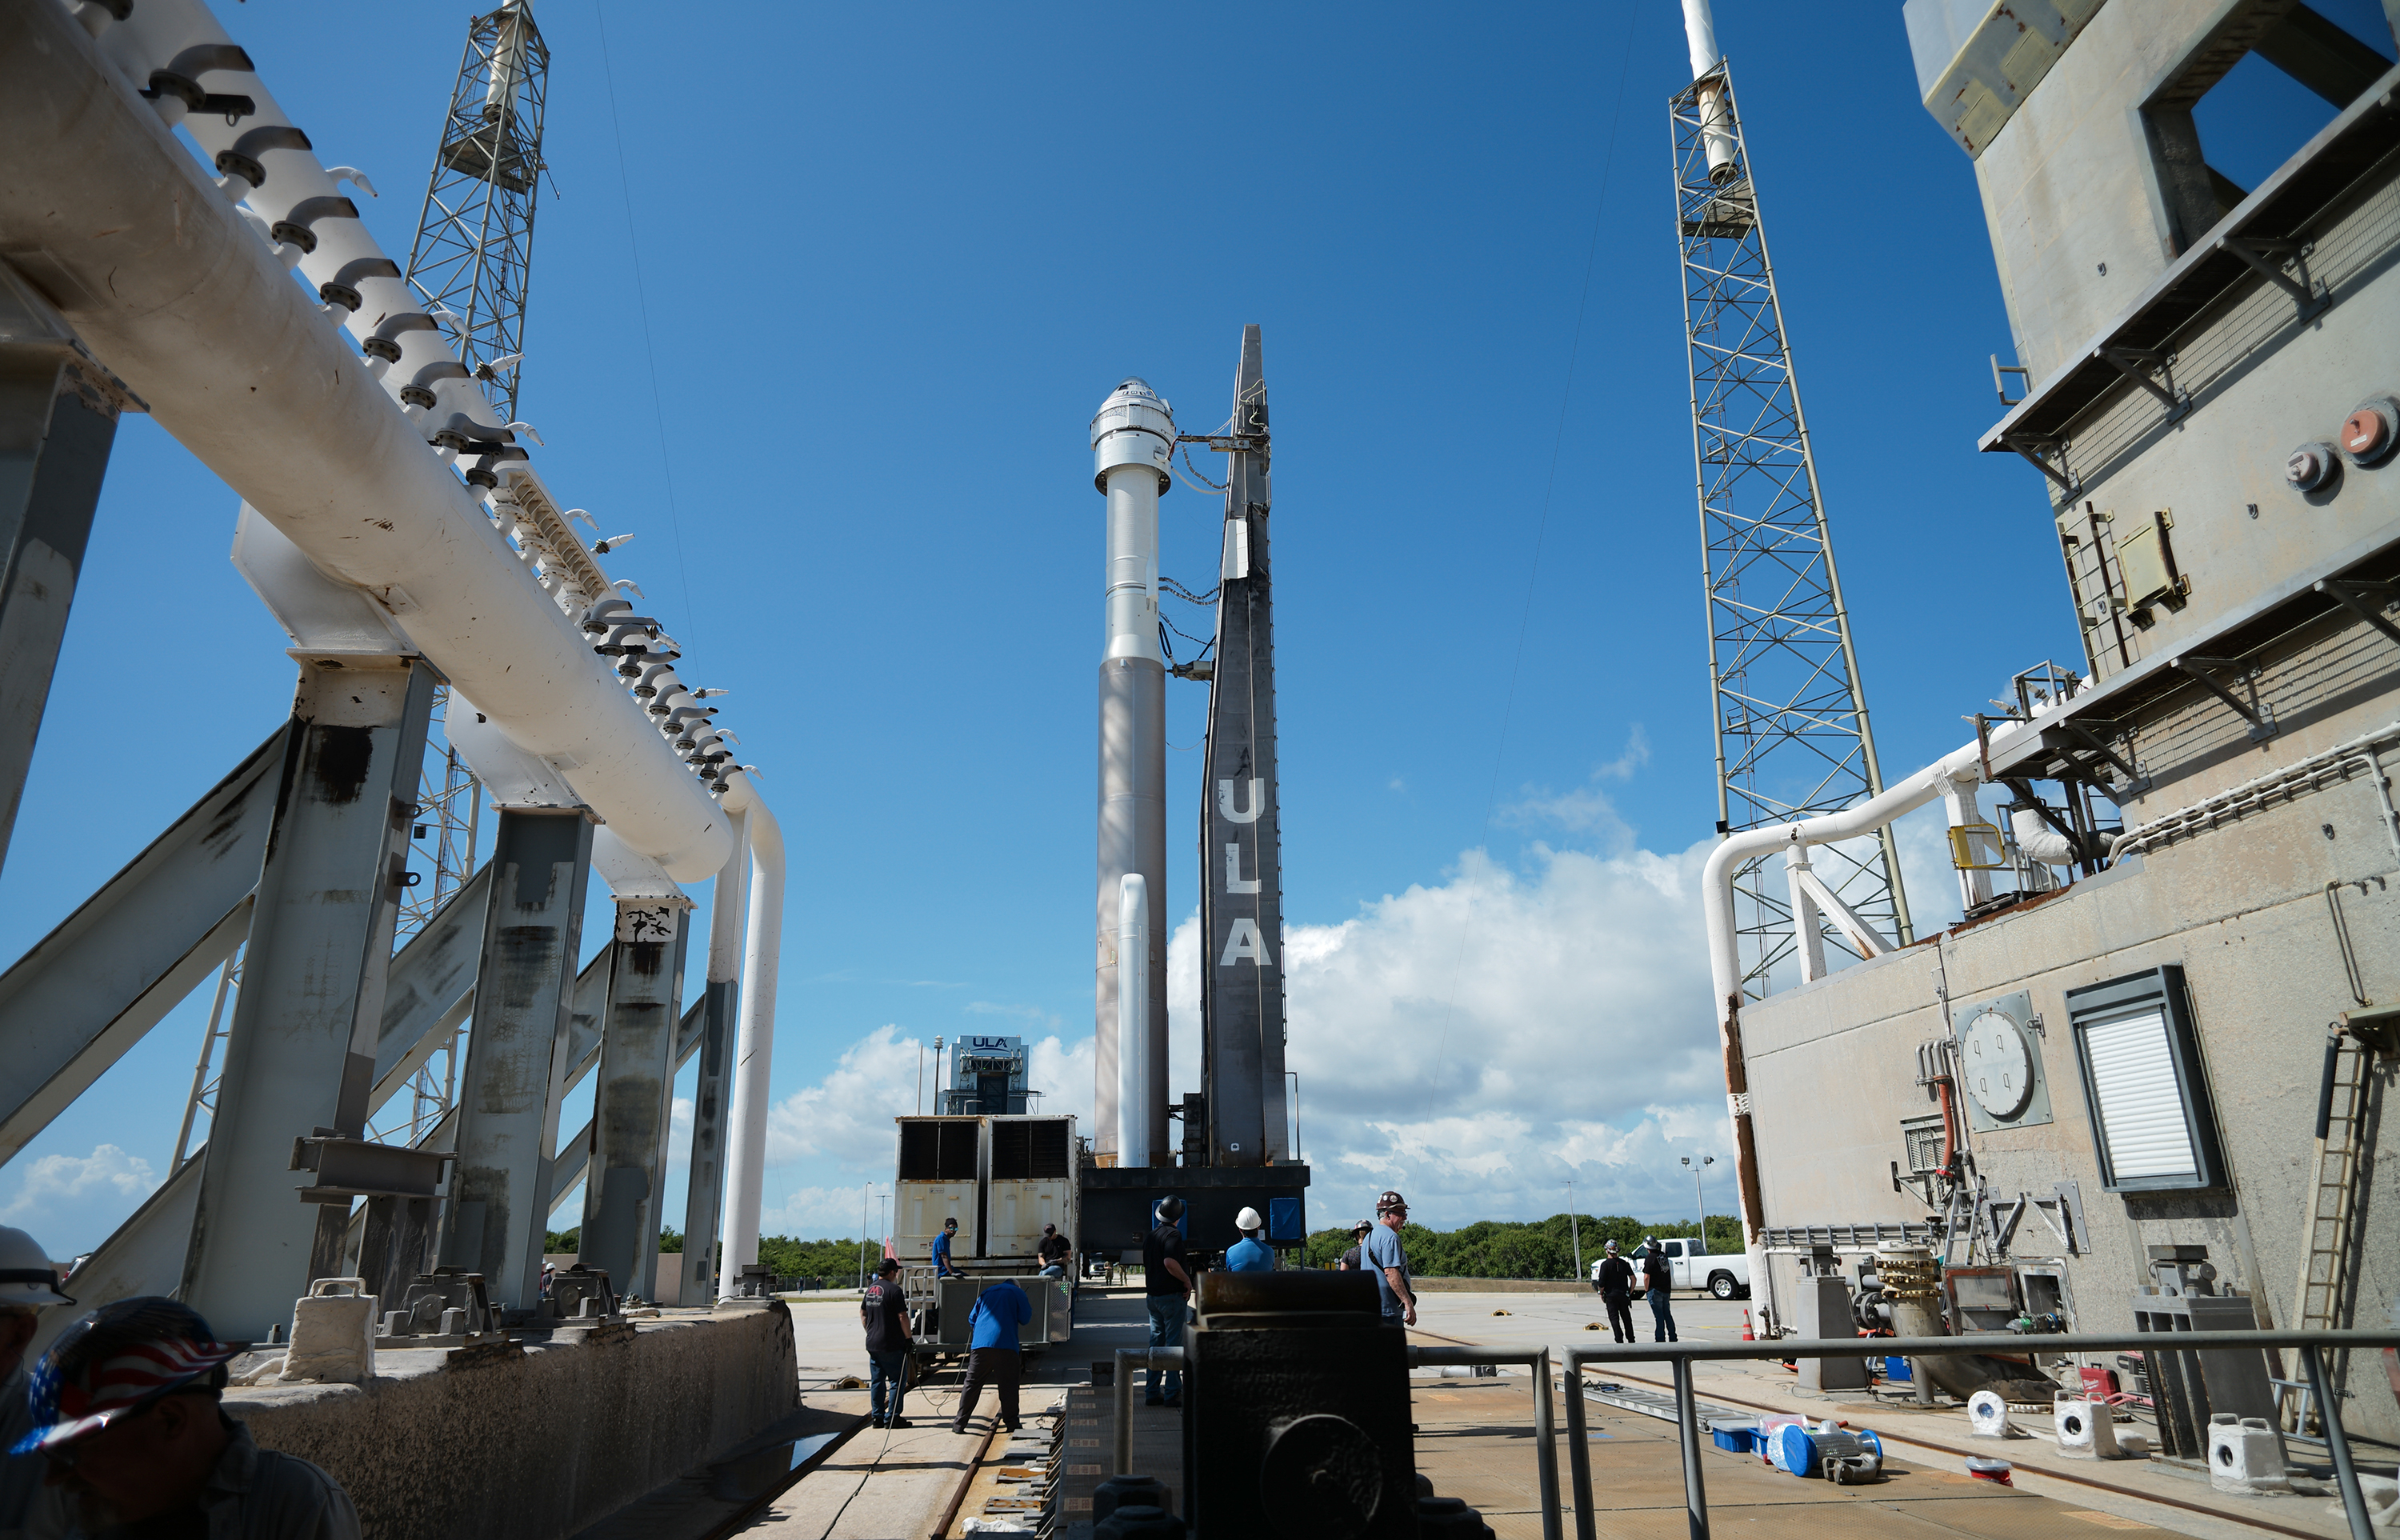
pixel 1724 1277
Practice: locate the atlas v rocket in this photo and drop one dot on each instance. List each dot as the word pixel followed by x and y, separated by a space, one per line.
pixel 1241 906
pixel 1133 447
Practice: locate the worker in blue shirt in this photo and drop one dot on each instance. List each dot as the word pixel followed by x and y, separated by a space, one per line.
pixel 993 1355
pixel 1250 1254
pixel 941 1268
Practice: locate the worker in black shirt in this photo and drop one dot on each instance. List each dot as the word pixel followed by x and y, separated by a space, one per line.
pixel 1617 1292
pixel 1166 1282
pixel 1054 1251
pixel 884 1310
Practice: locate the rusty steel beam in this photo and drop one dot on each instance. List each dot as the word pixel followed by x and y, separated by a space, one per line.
pixel 625 1181
pixel 516 1055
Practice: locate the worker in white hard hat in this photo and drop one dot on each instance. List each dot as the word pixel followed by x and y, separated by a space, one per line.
pixel 28 1285
pixel 1250 1254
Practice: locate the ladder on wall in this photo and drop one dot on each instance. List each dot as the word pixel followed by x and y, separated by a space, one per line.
pixel 2321 1303
pixel 2327 1286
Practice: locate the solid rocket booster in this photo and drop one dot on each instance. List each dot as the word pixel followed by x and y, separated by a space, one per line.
pixel 1701 35
pixel 1133 446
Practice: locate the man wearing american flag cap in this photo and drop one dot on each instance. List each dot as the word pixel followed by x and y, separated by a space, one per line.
pixel 126 1412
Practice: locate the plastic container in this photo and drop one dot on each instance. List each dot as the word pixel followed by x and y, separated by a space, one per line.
pixel 1734 1438
pixel 1897 1369
pixel 1768 1428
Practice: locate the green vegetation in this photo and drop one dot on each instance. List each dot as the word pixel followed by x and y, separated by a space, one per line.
pixel 1539 1248
pixel 835 1261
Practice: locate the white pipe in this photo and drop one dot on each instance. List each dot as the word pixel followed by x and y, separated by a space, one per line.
pixel 746 1142
pixel 172 290
pixel 728 905
pixel 1133 1018
pixel 1725 954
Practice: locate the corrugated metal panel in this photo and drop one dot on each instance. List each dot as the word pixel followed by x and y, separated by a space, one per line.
pixel 2144 1126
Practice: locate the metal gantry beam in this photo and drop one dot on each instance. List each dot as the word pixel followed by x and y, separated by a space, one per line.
pixel 625 1177
pixel 300 1052
pixel 516 1055
pixel 1790 713
pixel 58 420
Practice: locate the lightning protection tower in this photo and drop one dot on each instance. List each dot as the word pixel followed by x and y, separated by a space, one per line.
pixel 1791 714
pixel 474 240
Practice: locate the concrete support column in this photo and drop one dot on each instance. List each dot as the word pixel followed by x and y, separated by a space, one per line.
pixel 57 418
pixel 720 1007
pixel 300 1052
pixel 516 1051
pixel 626 1179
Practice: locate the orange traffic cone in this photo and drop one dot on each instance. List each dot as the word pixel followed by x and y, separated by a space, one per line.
pixel 1747 1334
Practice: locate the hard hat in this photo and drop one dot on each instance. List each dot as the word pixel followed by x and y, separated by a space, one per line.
pixel 115 1362
pixel 26 1275
pixel 1612 1245
pixel 1248 1219
pixel 1170 1208
pixel 1390 1201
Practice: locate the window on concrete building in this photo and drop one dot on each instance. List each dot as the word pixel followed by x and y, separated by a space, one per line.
pixel 2145 1084
pixel 2250 94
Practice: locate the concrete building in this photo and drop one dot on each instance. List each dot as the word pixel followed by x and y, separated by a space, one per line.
pixel 2167 1037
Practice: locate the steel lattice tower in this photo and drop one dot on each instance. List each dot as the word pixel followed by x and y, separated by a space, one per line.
pixel 1791 730
pixel 474 239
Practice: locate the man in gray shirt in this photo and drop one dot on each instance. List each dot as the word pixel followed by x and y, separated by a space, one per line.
pixel 1382 1255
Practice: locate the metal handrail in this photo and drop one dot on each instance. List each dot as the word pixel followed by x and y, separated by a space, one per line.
pixel 1127 1360
pixel 1546 1446
pixel 1681 1355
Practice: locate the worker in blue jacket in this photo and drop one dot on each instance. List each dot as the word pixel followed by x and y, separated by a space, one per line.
pixel 943 1268
pixel 993 1355
pixel 1250 1254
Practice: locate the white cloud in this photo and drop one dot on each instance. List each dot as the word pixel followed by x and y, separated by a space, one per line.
pixel 62 1192
pixel 1585 809
pixel 1475 1042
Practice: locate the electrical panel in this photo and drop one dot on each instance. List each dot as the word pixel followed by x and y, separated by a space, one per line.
pixel 2145 561
pixel 1922 1138
pixel 2000 1076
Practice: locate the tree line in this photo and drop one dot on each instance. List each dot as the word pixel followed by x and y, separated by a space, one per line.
pixel 1534 1248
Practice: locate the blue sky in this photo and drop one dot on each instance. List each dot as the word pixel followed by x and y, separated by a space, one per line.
pixel 891 261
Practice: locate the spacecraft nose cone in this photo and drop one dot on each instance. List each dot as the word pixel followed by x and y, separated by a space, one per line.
pixel 1134 426
pixel 1134 391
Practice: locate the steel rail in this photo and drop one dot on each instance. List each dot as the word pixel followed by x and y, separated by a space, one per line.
pixel 1681 1355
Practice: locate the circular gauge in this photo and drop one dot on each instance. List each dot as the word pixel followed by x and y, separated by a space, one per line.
pixel 1997 1064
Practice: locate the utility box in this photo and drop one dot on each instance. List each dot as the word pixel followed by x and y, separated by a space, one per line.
pixel 939 1178
pixel 1824 1312
pixel 1001 1177
pixel 1053 1320
pixel 1030 1183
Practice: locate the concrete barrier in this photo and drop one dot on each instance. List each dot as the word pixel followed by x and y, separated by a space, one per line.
pixel 539 1445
